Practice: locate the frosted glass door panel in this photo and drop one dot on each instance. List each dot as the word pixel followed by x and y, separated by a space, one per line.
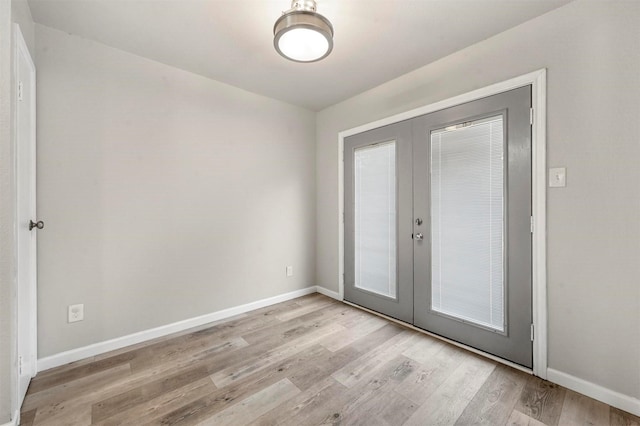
pixel 467 222
pixel 375 218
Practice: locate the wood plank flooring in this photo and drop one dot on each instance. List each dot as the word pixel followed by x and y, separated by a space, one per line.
pixel 309 361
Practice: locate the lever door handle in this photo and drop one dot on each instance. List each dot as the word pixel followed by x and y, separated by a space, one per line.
pixel 39 224
pixel 419 236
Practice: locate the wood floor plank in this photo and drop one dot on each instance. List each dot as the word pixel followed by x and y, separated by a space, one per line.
pixel 384 406
pixel 192 351
pixel 27 417
pixel 56 378
pixel 493 404
pixel 307 361
pixel 373 401
pixel 111 406
pixel 305 407
pixel 581 410
pixel 160 406
pixel 217 401
pixel 618 417
pixel 245 367
pixel 254 406
pixel 448 402
pixel 542 400
pixel 305 309
pixel 519 419
pixel 424 349
pixel 353 332
pixel 362 367
pixel 431 373
pixel 296 326
pixel 56 398
pixel 107 387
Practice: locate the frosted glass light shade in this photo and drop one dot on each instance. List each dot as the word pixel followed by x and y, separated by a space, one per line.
pixel 303 36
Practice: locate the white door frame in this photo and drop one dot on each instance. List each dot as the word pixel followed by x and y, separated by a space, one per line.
pixel 538 81
pixel 21 49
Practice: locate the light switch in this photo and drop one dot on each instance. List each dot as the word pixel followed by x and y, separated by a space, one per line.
pixel 557 177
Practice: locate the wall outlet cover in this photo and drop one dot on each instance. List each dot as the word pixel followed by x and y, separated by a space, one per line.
pixel 75 313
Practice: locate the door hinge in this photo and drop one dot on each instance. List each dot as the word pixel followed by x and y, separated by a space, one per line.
pixel 532 225
pixel 531 116
pixel 532 333
pixel 20 362
pixel 19 90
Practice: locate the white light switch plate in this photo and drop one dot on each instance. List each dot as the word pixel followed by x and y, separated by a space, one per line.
pixel 557 177
pixel 289 271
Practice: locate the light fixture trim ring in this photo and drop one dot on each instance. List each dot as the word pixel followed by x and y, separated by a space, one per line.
pixel 303 19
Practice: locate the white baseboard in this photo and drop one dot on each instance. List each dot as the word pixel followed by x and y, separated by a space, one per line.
pixel 329 293
pixel 608 396
pixel 14 419
pixel 142 336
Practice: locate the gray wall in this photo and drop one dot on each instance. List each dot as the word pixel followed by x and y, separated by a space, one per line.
pixel 165 195
pixel 591 52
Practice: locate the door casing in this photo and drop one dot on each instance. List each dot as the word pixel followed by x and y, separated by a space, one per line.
pixel 537 80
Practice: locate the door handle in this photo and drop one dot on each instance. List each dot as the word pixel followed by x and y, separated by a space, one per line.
pixel 419 236
pixel 39 224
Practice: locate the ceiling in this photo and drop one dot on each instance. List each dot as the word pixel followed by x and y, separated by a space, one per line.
pixel 232 40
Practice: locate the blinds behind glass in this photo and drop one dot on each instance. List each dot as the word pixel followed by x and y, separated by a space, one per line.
pixel 467 213
pixel 375 218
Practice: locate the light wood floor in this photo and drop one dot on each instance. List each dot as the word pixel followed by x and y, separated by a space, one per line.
pixel 310 361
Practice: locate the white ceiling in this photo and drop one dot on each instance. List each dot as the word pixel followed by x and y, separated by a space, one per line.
pixel 232 40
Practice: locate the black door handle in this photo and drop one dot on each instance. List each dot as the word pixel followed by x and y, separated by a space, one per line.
pixel 39 224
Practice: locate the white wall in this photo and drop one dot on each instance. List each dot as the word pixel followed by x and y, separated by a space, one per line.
pixel 165 195
pixel 21 14
pixel 591 50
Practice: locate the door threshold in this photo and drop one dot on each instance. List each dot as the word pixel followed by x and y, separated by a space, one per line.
pixel 444 339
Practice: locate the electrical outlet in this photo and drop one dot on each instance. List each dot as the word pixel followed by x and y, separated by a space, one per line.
pixel 289 271
pixel 75 313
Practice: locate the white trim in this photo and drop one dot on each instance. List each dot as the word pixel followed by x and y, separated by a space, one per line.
pixel 143 336
pixel 328 293
pixel 444 339
pixel 608 396
pixel 20 50
pixel 14 420
pixel 537 80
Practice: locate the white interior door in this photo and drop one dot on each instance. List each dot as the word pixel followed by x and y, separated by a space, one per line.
pixel 25 141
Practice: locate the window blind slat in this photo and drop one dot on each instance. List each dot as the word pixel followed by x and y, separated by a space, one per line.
pixel 467 212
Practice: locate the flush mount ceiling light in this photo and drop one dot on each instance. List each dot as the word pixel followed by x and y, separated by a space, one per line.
pixel 301 34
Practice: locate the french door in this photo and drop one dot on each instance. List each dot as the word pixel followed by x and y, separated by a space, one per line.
pixel 437 223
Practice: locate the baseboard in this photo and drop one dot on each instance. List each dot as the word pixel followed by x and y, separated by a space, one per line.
pixel 329 293
pixel 142 336
pixel 608 396
pixel 14 419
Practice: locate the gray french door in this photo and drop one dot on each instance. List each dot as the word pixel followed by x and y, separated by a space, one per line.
pixel 378 216
pixel 438 223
